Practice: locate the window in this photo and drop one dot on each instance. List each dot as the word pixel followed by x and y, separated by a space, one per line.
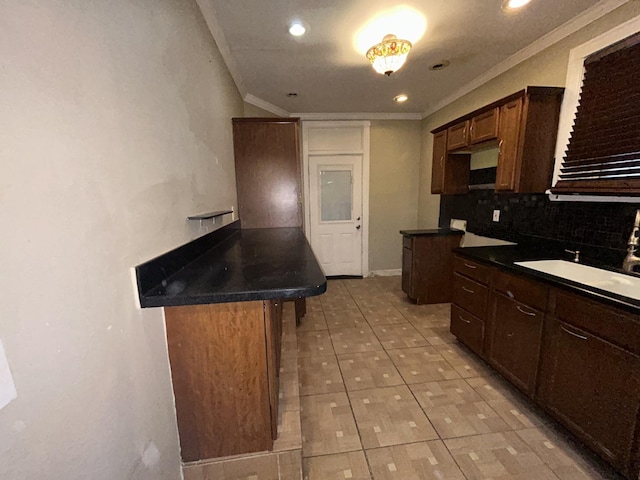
pixel 601 153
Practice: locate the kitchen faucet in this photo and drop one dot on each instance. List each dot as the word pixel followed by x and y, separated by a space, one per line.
pixel 632 260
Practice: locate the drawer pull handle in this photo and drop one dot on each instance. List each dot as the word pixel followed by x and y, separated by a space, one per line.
pixel 465 321
pixel 581 337
pixel 510 334
pixel 473 267
pixel 468 290
pixel 531 314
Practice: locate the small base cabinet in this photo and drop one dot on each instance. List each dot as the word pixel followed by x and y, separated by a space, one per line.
pixel 426 267
pixel 224 365
pixel 590 377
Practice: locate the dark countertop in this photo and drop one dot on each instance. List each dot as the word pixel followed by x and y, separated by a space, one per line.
pixel 506 256
pixel 241 265
pixel 435 232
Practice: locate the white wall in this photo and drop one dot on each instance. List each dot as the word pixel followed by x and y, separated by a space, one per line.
pixel 115 126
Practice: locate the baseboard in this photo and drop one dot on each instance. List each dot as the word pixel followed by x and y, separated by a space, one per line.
pixel 386 273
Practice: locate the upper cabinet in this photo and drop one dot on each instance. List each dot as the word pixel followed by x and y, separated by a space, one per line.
pixel 523 126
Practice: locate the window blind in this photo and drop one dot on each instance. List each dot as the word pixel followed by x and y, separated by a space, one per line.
pixel 603 155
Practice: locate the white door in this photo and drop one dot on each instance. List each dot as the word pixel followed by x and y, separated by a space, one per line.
pixel 335 195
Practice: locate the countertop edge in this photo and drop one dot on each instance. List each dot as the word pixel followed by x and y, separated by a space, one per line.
pixel 626 303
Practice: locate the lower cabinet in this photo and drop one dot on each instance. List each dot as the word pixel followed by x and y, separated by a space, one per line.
pixel 515 339
pixel 224 362
pixel 578 358
pixel 591 381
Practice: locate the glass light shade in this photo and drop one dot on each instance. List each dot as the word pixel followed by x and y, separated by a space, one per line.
pixel 389 55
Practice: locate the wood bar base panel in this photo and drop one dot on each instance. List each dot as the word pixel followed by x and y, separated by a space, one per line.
pixel 220 372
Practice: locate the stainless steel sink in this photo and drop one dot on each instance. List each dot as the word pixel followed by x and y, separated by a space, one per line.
pixel 613 282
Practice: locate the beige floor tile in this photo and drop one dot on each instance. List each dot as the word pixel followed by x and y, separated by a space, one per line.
pixel 314 343
pixel 455 410
pixel 399 336
pixel 416 461
pixel 339 319
pixel 313 304
pixel 338 302
pixel 498 456
pixel 508 403
pixel 341 466
pixel 290 465
pixel 328 425
pixel 289 392
pixel 466 363
pixel 384 315
pixel 260 467
pixel 312 321
pixel 437 335
pixel 366 370
pixel 319 375
pixel 370 301
pixel 389 416
pixel 431 321
pixel 354 340
pixel 289 431
pixel 421 365
pixel 568 461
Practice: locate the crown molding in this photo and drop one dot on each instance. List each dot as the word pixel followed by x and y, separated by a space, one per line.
pixel 209 15
pixel 264 105
pixel 580 21
pixel 358 116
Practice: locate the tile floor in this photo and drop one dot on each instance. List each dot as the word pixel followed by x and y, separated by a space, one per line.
pixel 386 392
pixel 383 391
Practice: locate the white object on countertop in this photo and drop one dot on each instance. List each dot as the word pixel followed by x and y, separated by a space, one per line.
pixel 471 240
pixel 7 387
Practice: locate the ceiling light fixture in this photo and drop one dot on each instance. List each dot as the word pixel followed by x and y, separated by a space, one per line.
pixel 400 98
pixel 511 5
pixel 389 55
pixel 440 65
pixel 297 29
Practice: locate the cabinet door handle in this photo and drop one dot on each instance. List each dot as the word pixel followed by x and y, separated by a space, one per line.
pixel 465 321
pixel 442 161
pixel 472 267
pixel 581 337
pixel 468 290
pixel 531 314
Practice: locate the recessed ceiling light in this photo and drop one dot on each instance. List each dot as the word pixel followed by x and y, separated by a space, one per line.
pixel 400 98
pixel 440 65
pixel 297 29
pixel 292 94
pixel 510 5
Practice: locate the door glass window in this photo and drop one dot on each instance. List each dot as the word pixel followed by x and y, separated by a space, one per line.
pixel 336 196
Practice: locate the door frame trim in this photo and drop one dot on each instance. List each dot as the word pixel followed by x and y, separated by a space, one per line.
pixel 364 151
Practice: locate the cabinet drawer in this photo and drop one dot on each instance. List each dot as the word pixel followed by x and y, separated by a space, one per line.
pixel 521 289
pixel 457 136
pixel 613 325
pixel 468 268
pixel 407 242
pixel 468 328
pixel 469 295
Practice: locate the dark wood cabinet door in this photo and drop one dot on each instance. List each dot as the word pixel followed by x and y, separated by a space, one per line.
pixel 469 295
pixel 439 157
pixel 268 172
pixel 484 127
pixel 458 136
pixel 509 136
pixel 514 346
pixel 593 386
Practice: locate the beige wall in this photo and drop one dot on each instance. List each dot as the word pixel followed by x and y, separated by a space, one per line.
pixel 115 126
pixel 393 189
pixel 548 68
pixel 253 111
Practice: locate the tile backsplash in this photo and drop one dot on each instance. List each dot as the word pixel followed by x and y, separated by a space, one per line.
pixel 601 229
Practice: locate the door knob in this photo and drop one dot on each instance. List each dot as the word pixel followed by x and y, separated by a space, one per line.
pixel 358 219
pixel 358 227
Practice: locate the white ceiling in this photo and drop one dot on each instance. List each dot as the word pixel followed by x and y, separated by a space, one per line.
pixel 329 75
